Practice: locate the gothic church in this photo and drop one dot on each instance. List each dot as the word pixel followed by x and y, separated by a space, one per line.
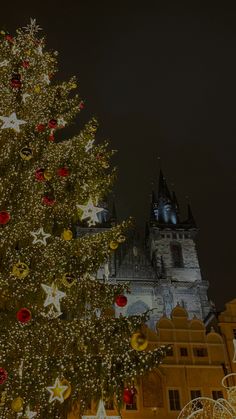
pixel 163 270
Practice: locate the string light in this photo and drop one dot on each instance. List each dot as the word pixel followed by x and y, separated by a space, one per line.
pixel 72 336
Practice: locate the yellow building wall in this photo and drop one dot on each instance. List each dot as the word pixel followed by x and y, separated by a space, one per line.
pixel 182 373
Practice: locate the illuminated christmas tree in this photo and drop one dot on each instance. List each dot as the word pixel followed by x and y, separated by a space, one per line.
pixel 60 341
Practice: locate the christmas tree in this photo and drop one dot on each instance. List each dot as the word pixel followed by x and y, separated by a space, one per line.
pixel 60 341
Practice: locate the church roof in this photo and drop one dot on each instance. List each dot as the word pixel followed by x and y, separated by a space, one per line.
pixel 135 263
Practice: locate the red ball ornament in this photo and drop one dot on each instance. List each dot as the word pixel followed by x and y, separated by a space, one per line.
pixel 25 63
pixel 121 300
pixel 52 123
pixel 51 137
pixel 128 396
pixel 3 375
pixel 16 81
pixel 9 38
pixel 81 105
pixel 63 172
pixel 40 127
pixel 23 315
pixel 47 200
pixel 39 175
pixel 4 217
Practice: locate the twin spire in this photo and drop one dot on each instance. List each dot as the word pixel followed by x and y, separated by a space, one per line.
pixel 165 207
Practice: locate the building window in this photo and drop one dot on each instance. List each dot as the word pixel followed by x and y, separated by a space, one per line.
pixel 168 236
pixel 200 352
pixel 177 256
pixel 163 236
pixel 186 236
pixel 174 400
pixel 217 394
pixel 169 351
pixel 174 236
pixel 183 352
pixel 234 333
pixel 194 395
pixel 180 235
pixel 133 404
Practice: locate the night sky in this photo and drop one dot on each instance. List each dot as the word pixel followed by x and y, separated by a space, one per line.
pixel 162 81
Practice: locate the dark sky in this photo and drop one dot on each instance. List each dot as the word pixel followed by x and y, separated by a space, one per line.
pixel 161 78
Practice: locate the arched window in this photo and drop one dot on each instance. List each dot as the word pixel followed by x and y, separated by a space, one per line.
pixel 177 257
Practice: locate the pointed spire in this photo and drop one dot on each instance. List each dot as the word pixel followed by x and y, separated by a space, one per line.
pixel 175 201
pixel 163 191
pixel 190 218
pixel 152 206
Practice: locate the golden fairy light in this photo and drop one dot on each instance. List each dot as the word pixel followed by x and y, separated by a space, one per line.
pixel 71 338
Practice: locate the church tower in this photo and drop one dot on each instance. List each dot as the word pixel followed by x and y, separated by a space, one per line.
pixel 172 251
pixel 162 269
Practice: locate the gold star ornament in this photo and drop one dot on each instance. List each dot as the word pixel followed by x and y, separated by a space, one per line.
pixel 56 391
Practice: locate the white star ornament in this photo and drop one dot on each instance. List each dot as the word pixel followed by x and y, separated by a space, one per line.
pixel 11 121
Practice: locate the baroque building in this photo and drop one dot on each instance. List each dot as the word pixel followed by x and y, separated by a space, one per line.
pixel 200 359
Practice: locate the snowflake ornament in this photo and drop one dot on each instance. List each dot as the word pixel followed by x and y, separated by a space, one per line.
pixel 89 145
pixel 32 27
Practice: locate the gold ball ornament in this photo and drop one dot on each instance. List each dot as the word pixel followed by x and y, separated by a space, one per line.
pixel 37 89
pixel 121 238
pixel 67 234
pixel 105 164
pixel 20 270
pixel 68 280
pixel 47 174
pixel 67 393
pixel 139 341
pixel 26 153
pixel 17 404
pixel 114 245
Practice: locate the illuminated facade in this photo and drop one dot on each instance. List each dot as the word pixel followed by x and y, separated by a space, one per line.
pixel 165 277
pixel 164 270
pixel 196 367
